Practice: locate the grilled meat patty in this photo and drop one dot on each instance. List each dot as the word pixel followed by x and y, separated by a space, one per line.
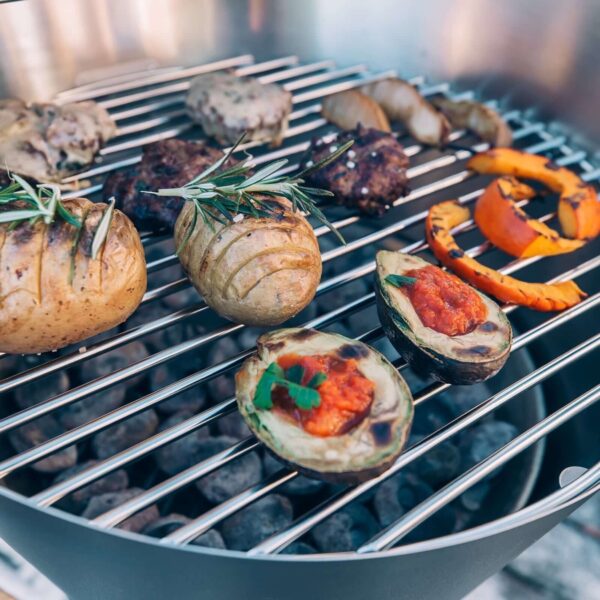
pixel 370 176
pixel 46 142
pixel 225 106
pixel 165 164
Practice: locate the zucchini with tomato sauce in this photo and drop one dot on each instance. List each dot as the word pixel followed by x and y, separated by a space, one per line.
pixel 331 407
pixel 439 324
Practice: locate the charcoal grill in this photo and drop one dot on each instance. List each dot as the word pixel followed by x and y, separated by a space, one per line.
pixel 90 559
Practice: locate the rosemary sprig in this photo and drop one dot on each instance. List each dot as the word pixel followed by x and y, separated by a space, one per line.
pixel 220 194
pixel 103 228
pixel 45 202
pixel 42 202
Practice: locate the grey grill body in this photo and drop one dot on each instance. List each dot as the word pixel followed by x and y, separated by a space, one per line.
pixel 559 351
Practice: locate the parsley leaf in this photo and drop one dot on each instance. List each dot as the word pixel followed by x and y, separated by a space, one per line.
pixel 317 379
pixel 305 397
pixel 400 280
pixel 295 374
pixel 262 395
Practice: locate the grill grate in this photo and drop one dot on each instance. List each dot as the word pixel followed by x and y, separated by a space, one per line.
pixel 159 95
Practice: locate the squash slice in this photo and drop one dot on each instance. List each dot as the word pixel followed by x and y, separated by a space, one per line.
pixel 539 296
pixel 510 229
pixel 578 206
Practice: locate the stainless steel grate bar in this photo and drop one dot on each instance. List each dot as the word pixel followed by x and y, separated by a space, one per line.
pixel 395 532
pixel 160 78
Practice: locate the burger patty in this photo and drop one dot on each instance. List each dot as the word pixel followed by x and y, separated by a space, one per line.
pixel 165 164
pixel 226 106
pixel 370 176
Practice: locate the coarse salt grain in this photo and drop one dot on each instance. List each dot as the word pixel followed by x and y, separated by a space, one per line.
pixel 309 163
pixel 351 154
pixel 350 164
pixel 332 149
pixel 239 217
pixel 373 154
pixel 364 190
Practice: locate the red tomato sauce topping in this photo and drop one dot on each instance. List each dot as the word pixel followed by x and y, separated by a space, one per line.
pixel 443 302
pixel 346 395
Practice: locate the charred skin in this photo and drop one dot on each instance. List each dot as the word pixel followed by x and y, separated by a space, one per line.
pixel 578 206
pixel 165 164
pixel 473 368
pixel 256 271
pixel 388 435
pixel 371 176
pixel 445 216
pixel 43 306
pixel 510 229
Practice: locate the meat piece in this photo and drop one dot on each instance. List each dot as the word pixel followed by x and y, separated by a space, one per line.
pixel 370 176
pixel 46 142
pixel 226 106
pixel 165 164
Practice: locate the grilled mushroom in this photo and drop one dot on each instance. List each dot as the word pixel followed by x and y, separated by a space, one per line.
pixel 438 323
pixel 331 407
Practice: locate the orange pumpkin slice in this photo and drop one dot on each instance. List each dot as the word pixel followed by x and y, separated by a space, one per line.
pixel 539 296
pixel 578 206
pixel 510 229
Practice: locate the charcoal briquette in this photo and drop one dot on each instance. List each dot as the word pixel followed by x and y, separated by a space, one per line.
pixel 260 520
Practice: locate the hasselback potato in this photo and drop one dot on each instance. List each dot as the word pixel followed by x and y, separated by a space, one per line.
pixel 256 271
pixel 53 292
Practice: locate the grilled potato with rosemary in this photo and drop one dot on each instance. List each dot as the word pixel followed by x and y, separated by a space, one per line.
pixel 69 269
pixel 244 242
pixel 256 271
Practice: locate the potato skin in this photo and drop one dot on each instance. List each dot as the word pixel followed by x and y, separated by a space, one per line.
pixel 256 271
pixel 40 309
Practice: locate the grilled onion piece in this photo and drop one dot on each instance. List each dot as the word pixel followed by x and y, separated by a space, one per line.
pixel 539 296
pixel 479 118
pixel 578 206
pixel 256 271
pixel 464 358
pixel 508 227
pixel 53 293
pixel 352 108
pixel 368 448
pixel 401 101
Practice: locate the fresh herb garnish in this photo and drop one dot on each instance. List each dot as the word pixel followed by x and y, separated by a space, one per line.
pixel 305 396
pixel 42 202
pixel 400 280
pixel 103 228
pixel 45 202
pixel 221 194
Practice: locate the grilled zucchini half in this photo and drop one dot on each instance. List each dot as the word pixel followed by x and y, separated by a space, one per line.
pixel 366 444
pixel 459 359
